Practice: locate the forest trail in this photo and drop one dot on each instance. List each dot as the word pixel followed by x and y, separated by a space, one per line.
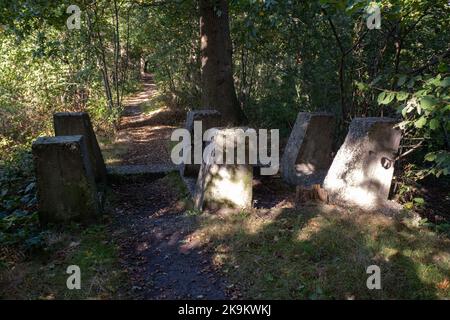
pixel 150 224
pixel 145 127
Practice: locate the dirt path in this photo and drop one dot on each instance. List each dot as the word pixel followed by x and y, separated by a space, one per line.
pixel 144 129
pixel 149 220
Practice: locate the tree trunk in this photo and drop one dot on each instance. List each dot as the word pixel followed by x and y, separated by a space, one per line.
pixel 101 57
pixel 218 92
pixel 117 58
pixel 141 67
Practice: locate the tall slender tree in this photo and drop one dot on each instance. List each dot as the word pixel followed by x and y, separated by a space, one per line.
pixel 218 91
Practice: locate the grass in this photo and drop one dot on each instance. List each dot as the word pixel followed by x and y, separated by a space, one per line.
pixel 112 151
pixel 321 252
pixel 174 181
pixel 156 102
pixel 41 274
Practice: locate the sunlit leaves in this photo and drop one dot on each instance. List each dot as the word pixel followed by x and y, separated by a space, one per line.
pixel 419 123
pixel 427 112
pixel 434 124
pixel 428 102
pixel 442 161
pixel 385 97
pixel 401 96
pixel 445 82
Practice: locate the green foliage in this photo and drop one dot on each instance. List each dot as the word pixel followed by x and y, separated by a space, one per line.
pixel 283 60
pixel 425 107
pixel 18 217
pixel 46 67
pixel 168 37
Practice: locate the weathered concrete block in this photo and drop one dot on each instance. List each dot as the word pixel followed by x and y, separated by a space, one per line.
pixel 224 185
pixel 79 123
pixel 210 119
pixel 362 170
pixel 308 153
pixel 66 187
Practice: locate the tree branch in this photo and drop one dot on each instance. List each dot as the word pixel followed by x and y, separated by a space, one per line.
pixel 431 62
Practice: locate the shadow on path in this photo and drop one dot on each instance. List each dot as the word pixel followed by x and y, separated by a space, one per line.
pixel 151 227
pixel 149 219
pixel 144 129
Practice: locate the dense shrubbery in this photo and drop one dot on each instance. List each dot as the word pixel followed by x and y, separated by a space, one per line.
pixel 45 68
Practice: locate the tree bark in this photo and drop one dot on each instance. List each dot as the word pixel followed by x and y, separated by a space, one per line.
pixel 117 58
pixel 101 57
pixel 218 91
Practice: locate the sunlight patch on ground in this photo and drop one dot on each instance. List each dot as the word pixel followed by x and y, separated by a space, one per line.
pixel 322 252
pixel 112 151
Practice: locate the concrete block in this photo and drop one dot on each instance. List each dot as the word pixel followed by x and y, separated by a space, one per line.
pixel 362 170
pixel 66 188
pixel 210 119
pixel 224 185
pixel 308 153
pixel 79 123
